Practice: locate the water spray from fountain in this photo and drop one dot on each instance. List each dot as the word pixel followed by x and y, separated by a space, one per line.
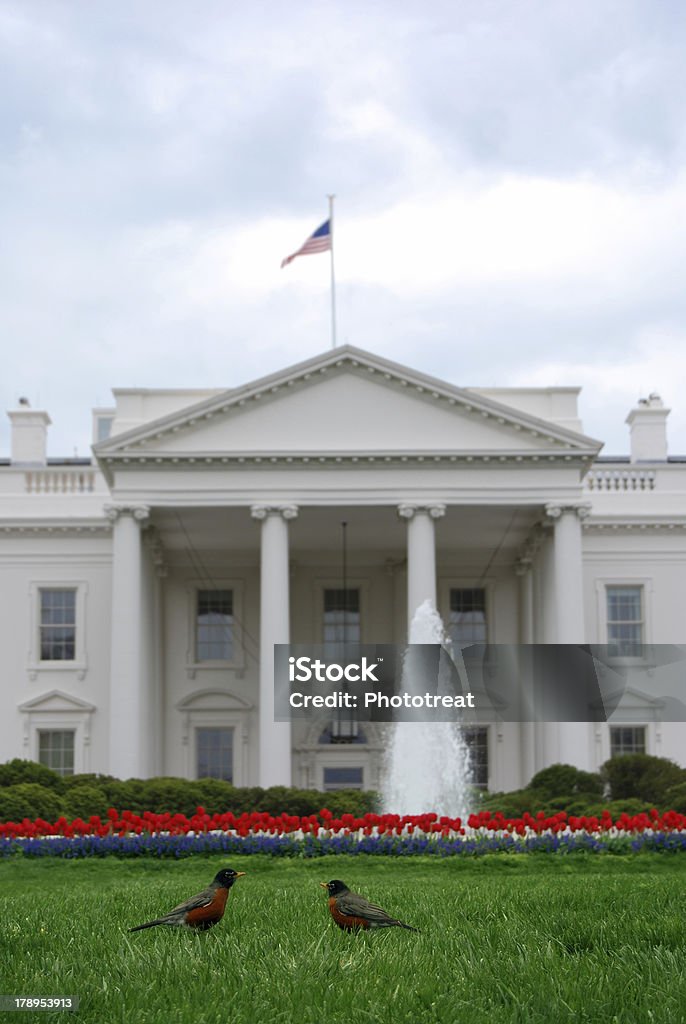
pixel 427 765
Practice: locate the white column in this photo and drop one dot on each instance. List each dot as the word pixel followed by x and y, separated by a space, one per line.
pixel 128 691
pixel 567 570
pixel 154 594
pixel 547 606
pixel 275 737
pixel 421 554
pixel 526 730
pixel 567 742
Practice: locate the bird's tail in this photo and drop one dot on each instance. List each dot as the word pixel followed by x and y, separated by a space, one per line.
pixel 148 924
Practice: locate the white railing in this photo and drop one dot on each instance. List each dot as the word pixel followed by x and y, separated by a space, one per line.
pixel 620 480
pixel 60 481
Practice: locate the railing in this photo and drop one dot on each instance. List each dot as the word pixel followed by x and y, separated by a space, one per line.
pixel 620 480
pixel 60 481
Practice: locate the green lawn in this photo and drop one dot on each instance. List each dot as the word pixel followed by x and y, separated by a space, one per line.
pixel 503 938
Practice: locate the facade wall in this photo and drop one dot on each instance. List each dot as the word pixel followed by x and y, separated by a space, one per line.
pixel 655 559
pixel 496 506
pixel 26 564
pixel 657 562
pixel 184 677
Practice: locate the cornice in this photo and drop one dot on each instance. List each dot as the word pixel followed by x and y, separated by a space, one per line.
pixel 150 459
pixel 637 524
pixel 53 526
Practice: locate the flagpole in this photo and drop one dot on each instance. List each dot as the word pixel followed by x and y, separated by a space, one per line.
pixel 333 279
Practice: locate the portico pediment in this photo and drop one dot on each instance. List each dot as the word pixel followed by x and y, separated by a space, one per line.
pixel 345 402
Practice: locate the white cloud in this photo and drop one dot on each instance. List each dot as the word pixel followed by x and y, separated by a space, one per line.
pixel 656 362
pixel 557 242
pixel 509 185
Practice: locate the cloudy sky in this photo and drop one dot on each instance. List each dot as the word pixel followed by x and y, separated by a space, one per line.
pixel 509 180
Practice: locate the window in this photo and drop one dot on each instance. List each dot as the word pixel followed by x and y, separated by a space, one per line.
pixel 342 626
pixel 341 731
pixel 57 625
pixel 342 615
pixel 56 750
pixel 627 739
pixel 214 625
pixel 476 738
pixel 214 636
pixel 624 621
pixel 57 637
pixel 214 753
pixel 342 778
pixel 467 620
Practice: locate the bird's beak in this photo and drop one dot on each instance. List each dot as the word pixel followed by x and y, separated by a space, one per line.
pixel 324 885
pixel 239 874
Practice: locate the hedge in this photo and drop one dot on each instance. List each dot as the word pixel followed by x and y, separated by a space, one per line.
pixel 80 796
pixel 628 783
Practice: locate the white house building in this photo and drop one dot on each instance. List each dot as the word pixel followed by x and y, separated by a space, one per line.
pixel 143 589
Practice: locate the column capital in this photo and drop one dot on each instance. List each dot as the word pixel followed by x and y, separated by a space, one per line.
pixel 261 512
pixel 139 513
pixel 409 511
pixel 556 509
pixel 522 566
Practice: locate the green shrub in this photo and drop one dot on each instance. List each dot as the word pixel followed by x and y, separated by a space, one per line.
pixel 215 795
pixel 29 800
pixel 564 779
pixel 631 806
pixel 643 776
pixel 88 779
pixel 581 807
pixel 347 801
pixel 278 799
pixel 12 773
pixel 128 795
pixel 84 801
pixel 512 804
pixel 166 794
pixel 246 799
pixel 675 799
pixel 593 808
pixel 303 802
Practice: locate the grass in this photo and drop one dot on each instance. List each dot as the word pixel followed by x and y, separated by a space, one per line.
pixel 583 938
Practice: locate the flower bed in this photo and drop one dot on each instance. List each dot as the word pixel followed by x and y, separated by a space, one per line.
pixel 127 834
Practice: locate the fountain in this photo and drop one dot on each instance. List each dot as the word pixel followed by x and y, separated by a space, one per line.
pixel 427 764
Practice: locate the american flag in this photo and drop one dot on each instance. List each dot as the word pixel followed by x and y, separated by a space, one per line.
pixel 319 241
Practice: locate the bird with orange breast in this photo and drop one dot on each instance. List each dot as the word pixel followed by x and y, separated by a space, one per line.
pixel 203 910
pixel 353 912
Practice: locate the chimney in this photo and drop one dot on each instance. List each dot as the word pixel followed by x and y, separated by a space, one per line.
pixel 648 429
pixel 29 435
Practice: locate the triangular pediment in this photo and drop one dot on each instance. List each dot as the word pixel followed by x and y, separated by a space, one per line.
pixel 342 402
pixel 213 701
pixel 57 700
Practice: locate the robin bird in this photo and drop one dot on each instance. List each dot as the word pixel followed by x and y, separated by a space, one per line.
pixel 351 911
pixel 204 909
